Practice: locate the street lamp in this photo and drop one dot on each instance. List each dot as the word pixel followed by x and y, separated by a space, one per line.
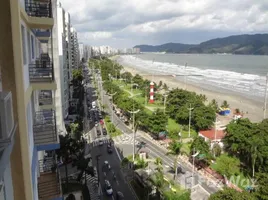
pixel 194 155
pixel 190 116
pixel 134 133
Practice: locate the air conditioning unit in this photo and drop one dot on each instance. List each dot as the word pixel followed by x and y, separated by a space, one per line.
pixel 6 115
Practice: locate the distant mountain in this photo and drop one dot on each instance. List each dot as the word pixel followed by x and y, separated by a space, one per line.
pixel 238 44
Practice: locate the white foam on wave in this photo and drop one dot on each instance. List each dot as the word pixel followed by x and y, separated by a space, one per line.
pixel 248 84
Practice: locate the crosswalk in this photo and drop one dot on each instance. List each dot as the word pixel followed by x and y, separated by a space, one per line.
pixel 92 183
pixel 125 139
pixel 121 139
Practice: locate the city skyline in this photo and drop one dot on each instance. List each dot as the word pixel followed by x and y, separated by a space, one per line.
pixel 126 24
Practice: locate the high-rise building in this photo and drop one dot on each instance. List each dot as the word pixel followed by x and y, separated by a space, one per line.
pixel 35 66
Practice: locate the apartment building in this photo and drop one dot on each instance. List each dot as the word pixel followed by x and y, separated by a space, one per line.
pixel 33 91
pixel 61 63
pixel 74 49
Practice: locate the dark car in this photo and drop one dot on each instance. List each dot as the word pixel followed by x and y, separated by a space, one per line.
pixel 109 149
pixel 104 131
pixel 119 196
pixel 98 133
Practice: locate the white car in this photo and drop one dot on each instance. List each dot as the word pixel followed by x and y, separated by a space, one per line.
pixel 100 142
pixel 108 188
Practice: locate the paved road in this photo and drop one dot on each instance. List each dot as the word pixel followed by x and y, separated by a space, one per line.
pixel 104 174
pixel 156 151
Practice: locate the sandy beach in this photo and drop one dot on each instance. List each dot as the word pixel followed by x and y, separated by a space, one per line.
pixel 252 110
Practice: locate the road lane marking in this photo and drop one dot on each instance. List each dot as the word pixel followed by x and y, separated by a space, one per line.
pixel 118 154
pixel 112 197
pixel 117 182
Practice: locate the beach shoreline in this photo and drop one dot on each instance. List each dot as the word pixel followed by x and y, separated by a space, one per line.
pixel 251 109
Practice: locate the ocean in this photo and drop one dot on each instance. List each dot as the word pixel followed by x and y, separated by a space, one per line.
pixel 240 74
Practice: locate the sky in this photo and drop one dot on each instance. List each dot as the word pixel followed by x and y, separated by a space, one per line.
pixel 126 23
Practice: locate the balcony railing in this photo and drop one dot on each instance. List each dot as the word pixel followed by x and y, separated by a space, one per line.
pixel 41 8
pixel 44 127
pixel 41 71
pixel 45 97
pixel 48 182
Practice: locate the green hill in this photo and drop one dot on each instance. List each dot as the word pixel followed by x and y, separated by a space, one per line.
pixel 238 44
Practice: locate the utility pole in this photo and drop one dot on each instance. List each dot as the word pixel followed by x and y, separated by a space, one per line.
pixel 265 98
pixel 134 132
pixel 215 135
pixel 190 115
pixel 165 99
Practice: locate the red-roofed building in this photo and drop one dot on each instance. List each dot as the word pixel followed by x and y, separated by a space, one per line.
pixel 212 136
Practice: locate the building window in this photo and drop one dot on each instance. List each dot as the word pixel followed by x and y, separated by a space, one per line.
pixel 23 45
pixel 33 46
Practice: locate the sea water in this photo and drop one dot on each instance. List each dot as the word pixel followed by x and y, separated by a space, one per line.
pixel 241 74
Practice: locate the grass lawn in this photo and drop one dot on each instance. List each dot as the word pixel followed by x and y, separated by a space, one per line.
pixel 241 180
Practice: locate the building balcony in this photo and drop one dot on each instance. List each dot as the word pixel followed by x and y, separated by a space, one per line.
pixel 49 186
pixel 39 13
pixel 46 99
pixel 42 75
pixel 43 35
pixel 44 130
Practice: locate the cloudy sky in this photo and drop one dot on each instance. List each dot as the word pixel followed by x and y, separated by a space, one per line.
pixel 125 23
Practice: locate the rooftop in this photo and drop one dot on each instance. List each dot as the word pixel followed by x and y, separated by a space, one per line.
pixel 210 134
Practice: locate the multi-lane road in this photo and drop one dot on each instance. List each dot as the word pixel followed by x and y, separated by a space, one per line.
pixel 118 183
pixel 168 160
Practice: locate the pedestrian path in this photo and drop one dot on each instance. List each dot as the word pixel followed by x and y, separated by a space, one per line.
pixel 92 183
pixel 121 139
pixel 125 139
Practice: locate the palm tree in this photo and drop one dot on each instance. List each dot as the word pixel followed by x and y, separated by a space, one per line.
pixel 225 104
pixel 158 162
pixel 254 154
pixel 175 149
pixel 75 133
pixel 165 87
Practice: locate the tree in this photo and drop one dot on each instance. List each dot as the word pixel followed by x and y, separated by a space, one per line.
pixel 75 133
pixel 157 122
pixel 216 150
pixel 231 194
pixel 225 104
pixel 140 163
pixel 158 161
pixel 160 84
pixel 203 117
pixel 261 190
pixel 238 137
pixel 127 76
pixel 170 195
pixel 165 87
pixel 227 165
pixel 77 77
pixel 214 105
pixel 199 144
pixel 175 149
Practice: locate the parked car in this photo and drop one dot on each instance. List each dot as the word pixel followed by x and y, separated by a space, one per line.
pixel 109 149
pixel 100 142
pixel 104 131
pixel 98 133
